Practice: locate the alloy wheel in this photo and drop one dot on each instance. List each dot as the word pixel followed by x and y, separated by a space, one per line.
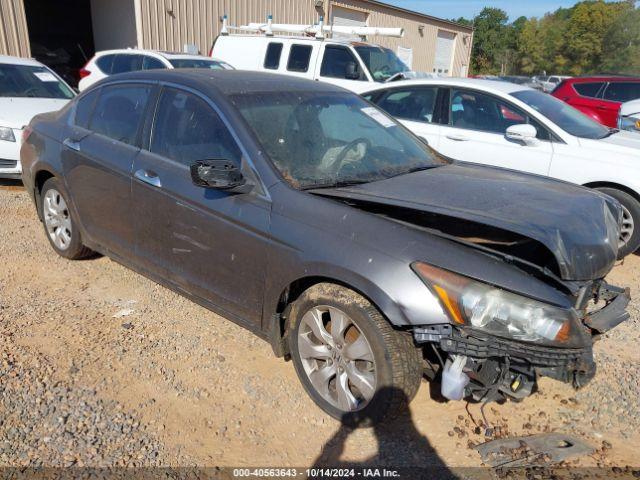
pixel 337 358
pixel 57 219
pixel 627 227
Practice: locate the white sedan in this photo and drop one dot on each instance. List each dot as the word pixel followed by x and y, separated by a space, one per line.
pixel 27 88
pixel 515 127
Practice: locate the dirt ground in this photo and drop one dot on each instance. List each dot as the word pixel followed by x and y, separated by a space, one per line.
pixel 113 369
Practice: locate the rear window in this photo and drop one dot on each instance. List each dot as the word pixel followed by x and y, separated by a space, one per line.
pixel 588 89
pixel 272 58
pixel 299 58
pixel 622 91
pixel 105 63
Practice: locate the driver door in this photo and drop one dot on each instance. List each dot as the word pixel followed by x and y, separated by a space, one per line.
pixel 341 67
pixel 210 243
pixel 476 132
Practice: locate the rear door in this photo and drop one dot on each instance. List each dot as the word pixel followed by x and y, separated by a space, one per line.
pixel 415 107
pixel 98 155
pixel 210 243
pixel 615 94
pixel 476 131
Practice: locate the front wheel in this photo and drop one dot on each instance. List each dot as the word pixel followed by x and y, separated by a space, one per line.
pixel 350 360
pixel 629 240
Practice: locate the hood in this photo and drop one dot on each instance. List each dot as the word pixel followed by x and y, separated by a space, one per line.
pixel 630 108
pixel 572 231
pixel 17 112
pixel 622 142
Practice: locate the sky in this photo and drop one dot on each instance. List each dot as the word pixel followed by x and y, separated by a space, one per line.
pixel 469 8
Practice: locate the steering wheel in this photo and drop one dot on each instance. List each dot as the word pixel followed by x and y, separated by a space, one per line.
pixel 339 163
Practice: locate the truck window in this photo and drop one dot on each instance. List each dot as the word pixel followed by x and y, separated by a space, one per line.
pixel 335 61
pixel 272 58
pixel 299 58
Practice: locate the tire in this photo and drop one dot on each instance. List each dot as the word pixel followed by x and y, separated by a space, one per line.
pixel 60 227
pixel 382 381
pixel 631 208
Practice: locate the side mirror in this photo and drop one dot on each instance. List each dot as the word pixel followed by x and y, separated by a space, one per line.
pixel 351 71
pixel 523 133
pixel 220 174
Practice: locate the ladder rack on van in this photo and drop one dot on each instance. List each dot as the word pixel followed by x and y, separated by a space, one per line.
pixel 318 30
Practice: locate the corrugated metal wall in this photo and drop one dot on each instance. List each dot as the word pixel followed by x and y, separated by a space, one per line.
pixel 14 37
pixel 169 24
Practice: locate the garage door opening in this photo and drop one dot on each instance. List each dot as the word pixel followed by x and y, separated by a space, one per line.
pixel 61 35
pixel 346 17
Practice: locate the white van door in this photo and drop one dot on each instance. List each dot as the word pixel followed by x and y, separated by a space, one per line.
pixel 339 65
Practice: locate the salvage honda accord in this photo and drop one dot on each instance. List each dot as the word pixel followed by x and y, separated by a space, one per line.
pixel 304 213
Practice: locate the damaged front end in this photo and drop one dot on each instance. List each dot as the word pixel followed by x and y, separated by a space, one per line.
pixel 498 342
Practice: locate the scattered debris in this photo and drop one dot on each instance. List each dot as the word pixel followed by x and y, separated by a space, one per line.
pixel 125 312
pixel 530 450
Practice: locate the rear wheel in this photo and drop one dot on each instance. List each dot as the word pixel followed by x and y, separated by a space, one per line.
pixel 352 363
pixel 629 240
pixel 59 224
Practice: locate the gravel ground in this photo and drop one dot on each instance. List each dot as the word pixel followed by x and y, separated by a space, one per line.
pixel 102 367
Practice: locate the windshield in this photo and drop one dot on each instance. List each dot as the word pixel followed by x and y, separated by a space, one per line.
pixel 563 115
pixel 381 62
pixel 31 81
pixel 318 140
pixel 200 63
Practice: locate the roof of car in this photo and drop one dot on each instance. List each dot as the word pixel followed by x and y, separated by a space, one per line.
pixel 167 55
pixel 229 82
pixel 489 85
pixel 19 61
pixel 603 78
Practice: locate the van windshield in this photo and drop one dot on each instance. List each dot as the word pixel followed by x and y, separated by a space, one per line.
pixel 319 139
pixel 381 62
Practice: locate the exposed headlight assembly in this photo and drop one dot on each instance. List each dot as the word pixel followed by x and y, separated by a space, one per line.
pixel 6 134
pixel 496 311
pixel 628 123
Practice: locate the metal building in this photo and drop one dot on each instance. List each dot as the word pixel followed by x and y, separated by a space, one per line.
pixel 64 33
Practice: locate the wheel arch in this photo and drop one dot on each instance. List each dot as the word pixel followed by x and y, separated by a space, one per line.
pixel 39 179
pixel 614 185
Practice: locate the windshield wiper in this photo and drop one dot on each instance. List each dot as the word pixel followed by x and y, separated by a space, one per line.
pixel 333 184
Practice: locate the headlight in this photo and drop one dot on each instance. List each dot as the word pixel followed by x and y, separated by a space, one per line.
pixel 496 311
pixel 6 134
pixel 628 123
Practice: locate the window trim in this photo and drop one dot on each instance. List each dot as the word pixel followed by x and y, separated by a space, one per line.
pixel 299 45
pixel 553 138
pixel 266 54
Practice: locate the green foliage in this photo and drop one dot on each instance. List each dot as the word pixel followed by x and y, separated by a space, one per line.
pixel 592 36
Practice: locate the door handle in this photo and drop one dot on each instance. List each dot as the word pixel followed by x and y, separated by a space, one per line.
pixel 71 144
pixel 150 178
pixel 458 138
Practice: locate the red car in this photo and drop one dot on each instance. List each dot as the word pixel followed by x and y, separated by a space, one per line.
pixel 599 97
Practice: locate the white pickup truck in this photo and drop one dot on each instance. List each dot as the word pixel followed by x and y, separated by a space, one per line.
pixel 354 65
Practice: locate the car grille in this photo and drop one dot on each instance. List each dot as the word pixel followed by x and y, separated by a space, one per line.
pixel 4 163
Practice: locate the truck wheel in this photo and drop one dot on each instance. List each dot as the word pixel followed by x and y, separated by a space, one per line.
pixel 59 225
pixel 630 232
pixel 350 360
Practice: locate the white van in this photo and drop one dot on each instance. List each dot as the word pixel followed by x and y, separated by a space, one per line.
pixel 350 64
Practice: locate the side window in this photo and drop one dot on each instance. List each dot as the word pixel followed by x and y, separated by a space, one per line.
pixel 126 63
pixel 187 129
pixel 105 63
pixel 335 61
pixel 477 111
pixel 299 57
pixel 622 91
pixel 411 104
pixel 588 89
pixel 272 58
pixel 119 111
pixel 151 63
pixel 84 108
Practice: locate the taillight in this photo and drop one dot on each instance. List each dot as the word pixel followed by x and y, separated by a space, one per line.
pixel 26 132
pixel 211 51
pixel 84 73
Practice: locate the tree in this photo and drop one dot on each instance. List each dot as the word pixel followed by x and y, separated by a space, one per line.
pixel 623 42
